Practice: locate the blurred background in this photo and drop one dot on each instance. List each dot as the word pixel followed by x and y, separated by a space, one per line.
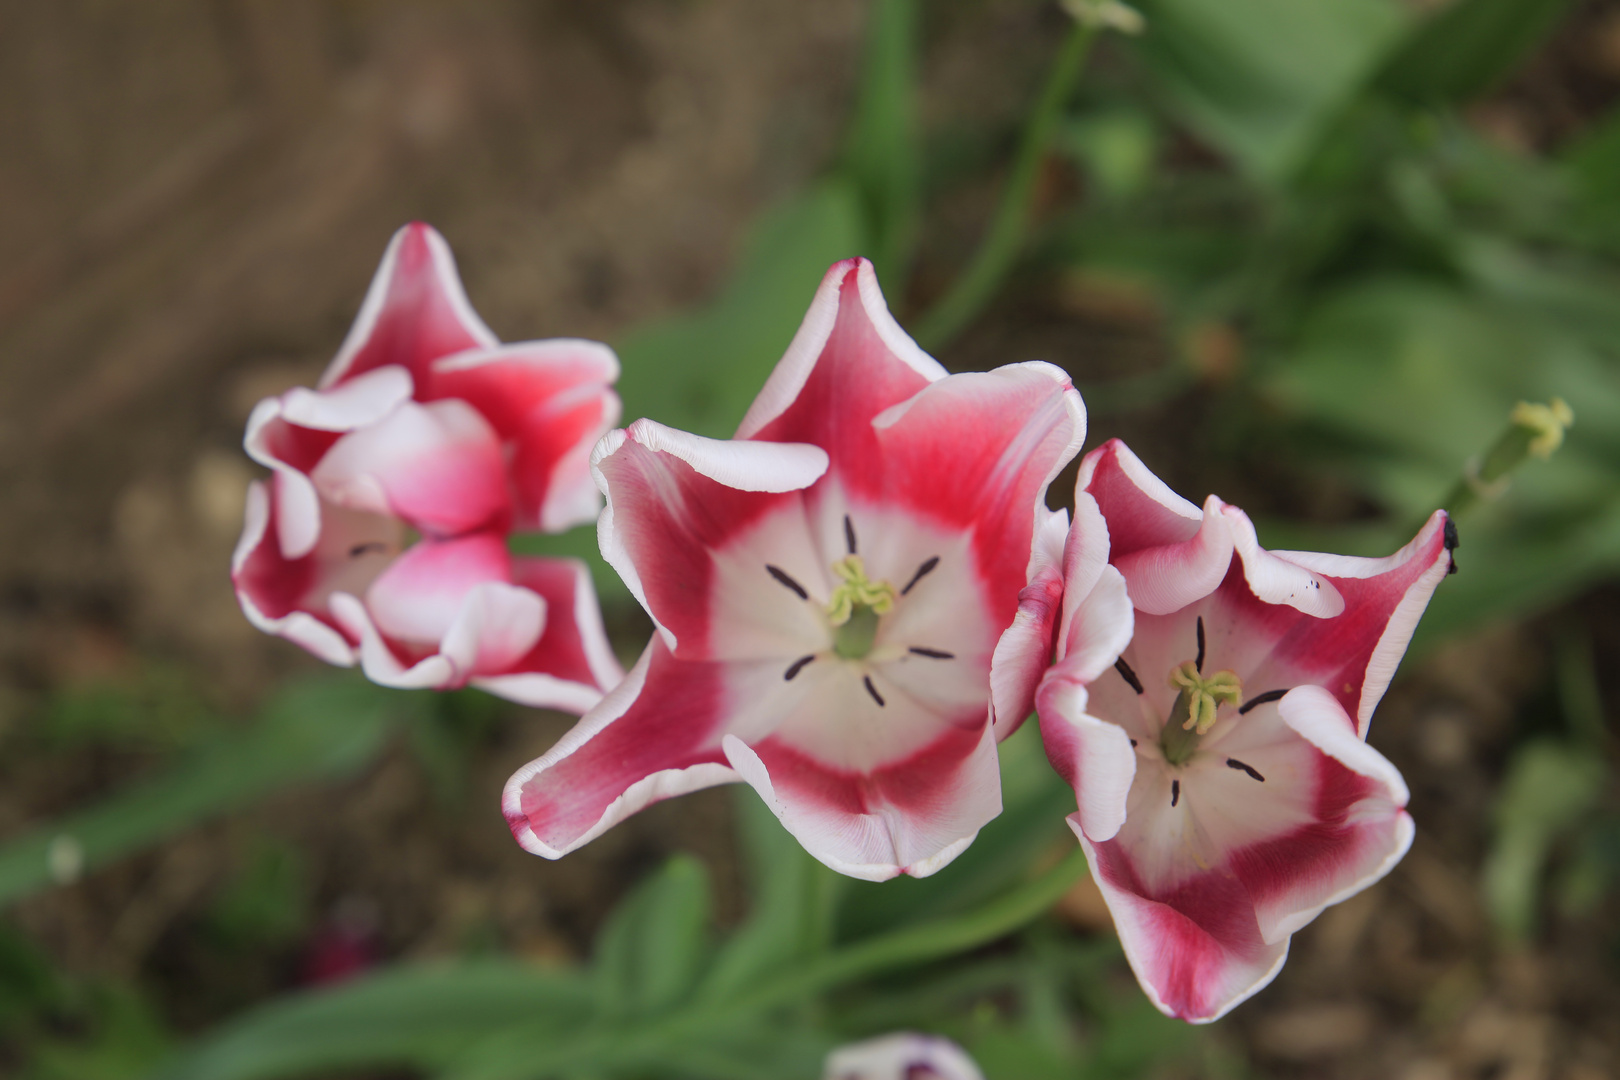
pixel 1304 255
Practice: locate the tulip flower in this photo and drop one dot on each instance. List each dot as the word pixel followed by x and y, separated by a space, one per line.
pixel 425 428
pixel 828 588
pixel 1226 794
pixel 901 1056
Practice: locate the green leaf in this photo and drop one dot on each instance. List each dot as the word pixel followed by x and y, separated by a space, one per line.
pixel 789 904
pixel 315 728
pixel 700 372
pixel 1260 79
pixel 654 945
pixel 421 1017
pixel 1549 787
pixel 1466 48
pixel 883 159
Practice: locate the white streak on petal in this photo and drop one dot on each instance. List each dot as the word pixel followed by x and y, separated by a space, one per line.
pixel 1275 578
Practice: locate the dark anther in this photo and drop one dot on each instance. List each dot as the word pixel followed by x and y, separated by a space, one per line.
pixel 1452 569
pixel 933 654
pixel 1199 663
pixel 370 547
pixel 1127 674
pixel 1261 699
pixel 1451 534
pixel 866 680
pixel 1175 792
pixel 849 534
pixel 796 667
pixel 1234 763
pixel 787 579
pixel 922 571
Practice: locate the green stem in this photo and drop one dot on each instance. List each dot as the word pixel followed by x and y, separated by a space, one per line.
pixel 932 940
pixel 1509 450
pixel 977 284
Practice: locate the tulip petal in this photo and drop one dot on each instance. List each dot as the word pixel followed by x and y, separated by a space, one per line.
pixel 414 313
pixel 1170 576
pixel 292 432
pixel 1355 653
pixel 912 817
pixel 1085 553
pixel 1141 510
pixel 1025 649
pixel 849 361
pixel 571 665
pixel 1274 579
pixel 289 596
pixel 1095 757
pixel 1384 599
pixel 977 450
pixel 1198 954
pixel 672 498
pixel 420 596
pixel 438 467
pixel 1359 832
pixel 654 736
pixel 901 1056
pixel 550 401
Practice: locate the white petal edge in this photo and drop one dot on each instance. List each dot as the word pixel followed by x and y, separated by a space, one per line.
pixel 1167 578
pixel 378 661
pixel 752 771
pixel 1397 635
pixel 299 627
pixel 787 379
pixel 1122 906
pixel 737 463
pixel 652 788
pixel 1140 475
pixel 1106 759
pixel 444 268
pixel 1277 579
pixel 1317 717
pixel 1012 660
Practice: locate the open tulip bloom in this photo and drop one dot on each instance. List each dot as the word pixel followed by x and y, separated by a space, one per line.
pixel 426 427
pixel 1226 794
pixel 828 588
pixel 904 1055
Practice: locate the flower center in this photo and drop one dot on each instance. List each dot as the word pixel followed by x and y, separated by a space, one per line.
pixel 1193 714
pixel 855 607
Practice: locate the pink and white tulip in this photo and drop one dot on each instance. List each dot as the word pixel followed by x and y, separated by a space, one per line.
pixel 425 426
pixel 828 589
pixel 1226 794
pixel 902 1056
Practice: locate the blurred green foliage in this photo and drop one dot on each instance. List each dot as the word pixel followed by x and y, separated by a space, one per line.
pixel 1392 282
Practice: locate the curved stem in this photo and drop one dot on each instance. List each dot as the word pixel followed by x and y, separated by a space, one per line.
pixel 522 1054
pixel 977 284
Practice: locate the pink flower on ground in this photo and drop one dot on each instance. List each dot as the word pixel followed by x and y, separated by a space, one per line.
pixel 901 1056
pixel 425 427
pixel 828 588
pixel 1226 794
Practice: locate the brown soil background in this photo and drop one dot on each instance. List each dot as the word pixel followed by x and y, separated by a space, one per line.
pixel 193 195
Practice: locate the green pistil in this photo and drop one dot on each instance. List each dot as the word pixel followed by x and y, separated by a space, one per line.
pixel 1194 711
pixel 855 607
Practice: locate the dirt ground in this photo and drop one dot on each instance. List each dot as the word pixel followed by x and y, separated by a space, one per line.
pixel 193 196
